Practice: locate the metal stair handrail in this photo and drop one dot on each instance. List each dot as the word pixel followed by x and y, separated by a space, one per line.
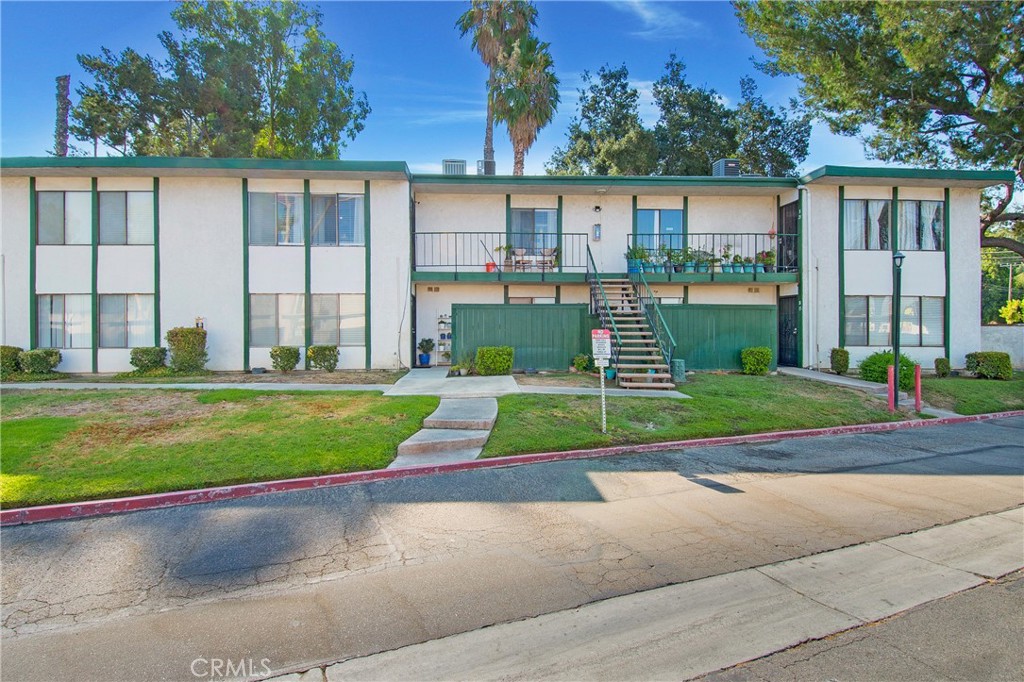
pixel 662 334
pixel 603 312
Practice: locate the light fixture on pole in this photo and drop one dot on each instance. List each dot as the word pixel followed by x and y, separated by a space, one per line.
pixel 897 315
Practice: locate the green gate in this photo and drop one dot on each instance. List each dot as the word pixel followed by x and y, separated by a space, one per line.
pixel 711 336
pixel 544 336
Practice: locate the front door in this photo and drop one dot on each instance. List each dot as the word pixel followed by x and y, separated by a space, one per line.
pixel 788 322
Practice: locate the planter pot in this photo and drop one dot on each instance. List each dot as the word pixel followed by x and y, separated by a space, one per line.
pixel 759 267
pixel 609 374
pixel 648 267
pixel 463 372
pixel 726 267
pixel 424 359
pixel 490 267
pixel 677 268
pixel 659 268
pixel 632 265
pixel 689 267
pixel 748 267
pixel 703 267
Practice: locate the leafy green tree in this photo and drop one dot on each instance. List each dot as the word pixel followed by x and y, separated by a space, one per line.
pixel 768 141
pixel 696 127
pixel 525 95
pixel 936 84
pixel 496 25
pixel 606 137
pixel 240 79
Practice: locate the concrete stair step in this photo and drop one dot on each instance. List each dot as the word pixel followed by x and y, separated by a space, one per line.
pixel 631 365
pixel 645 375
pixel 635 333
pixel 464 414
pixel 443 440
pixel 445 457
pixel 655 385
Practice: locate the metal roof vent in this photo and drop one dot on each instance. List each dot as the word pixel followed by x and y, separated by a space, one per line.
pixel 453 167
pixel 725 168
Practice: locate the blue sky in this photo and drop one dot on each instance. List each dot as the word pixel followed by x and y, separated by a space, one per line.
pixel 424 83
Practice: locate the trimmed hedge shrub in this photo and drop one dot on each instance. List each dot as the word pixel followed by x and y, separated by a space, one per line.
pixel 40 361
pixel 494 360
pixel 840 360
pixel 756 360
pixel 942 367
pixel 187 347
pixel 148 357
pixel 323 357
pixel 990 365
pixel 582 362
pixel 284 358
pixel 9 358
pixel 875 368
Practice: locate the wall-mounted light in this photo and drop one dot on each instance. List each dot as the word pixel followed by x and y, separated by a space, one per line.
pixel 597 232
pixel 597 209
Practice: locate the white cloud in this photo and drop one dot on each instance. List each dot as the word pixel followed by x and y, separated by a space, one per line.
pixel 659 20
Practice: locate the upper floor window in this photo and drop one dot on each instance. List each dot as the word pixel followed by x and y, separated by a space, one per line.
pixel 866 224
pixel 65 320
pixel 657 226
pixel 126 217
pixel 275 219
pixel 534 228
pixel 64 217
pixel 126 320
pixel 337 220
pixel 922 226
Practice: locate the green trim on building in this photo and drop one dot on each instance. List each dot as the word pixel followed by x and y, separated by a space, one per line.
pixel 194 163
pixel 558 230
pixel 945 244
pixel 686 294
pixel 842 267
pixel 634 219
pixel 506 294
pixel 894 220
pixel 307 240
pixel 245 274
pixel 980 176
pixel 95 275
pixel 33 305
pixel 367 285
pixel 801 268
pixel 572 181
pixel 156 261
pixel 686 222
pixel 508 220
pixel 558 294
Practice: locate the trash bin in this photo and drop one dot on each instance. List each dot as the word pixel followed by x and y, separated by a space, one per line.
pixel 679 371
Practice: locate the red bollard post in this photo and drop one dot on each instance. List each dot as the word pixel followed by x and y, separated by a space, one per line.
pixel 917 387
pixel 892 396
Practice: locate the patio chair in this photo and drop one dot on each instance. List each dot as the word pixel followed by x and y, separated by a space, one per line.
pixel 546 260
pixel 520 261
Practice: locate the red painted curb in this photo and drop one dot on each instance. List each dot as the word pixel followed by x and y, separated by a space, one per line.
pixel 77 510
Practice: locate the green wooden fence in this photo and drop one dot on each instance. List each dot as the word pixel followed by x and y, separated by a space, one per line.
pixel 544 336
pixel 711 336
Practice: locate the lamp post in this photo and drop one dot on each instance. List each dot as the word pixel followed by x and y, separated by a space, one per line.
pixel 897 314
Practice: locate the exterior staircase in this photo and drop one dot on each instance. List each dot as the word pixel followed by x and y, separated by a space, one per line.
pixel 638 361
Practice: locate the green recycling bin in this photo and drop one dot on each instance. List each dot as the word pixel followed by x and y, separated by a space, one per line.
pixel 679 371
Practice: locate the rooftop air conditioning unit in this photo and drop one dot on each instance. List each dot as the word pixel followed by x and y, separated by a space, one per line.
pixel 725 168
pixel 453 167
pixel 485 167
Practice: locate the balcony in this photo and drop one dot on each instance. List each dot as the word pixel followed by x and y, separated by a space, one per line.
pixel 499 256
pixel 717 257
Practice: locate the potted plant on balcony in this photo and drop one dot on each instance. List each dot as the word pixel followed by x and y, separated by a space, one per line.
pixel 661 261
pixel 635 256
pixel 678 259
pixel 426 347
pixel 689 260
pixel 748 264
pixel 505 250
pixel 727 258
pixel 703 261
pixel 765 261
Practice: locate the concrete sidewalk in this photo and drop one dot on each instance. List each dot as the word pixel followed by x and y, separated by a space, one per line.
pixel 687 630
pixel 211 386
pixel 331 574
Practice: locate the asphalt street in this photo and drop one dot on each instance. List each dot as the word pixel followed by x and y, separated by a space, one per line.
pixel 300 579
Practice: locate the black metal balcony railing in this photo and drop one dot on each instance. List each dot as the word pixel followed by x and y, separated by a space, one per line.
pixel 776 253
pixel 499 252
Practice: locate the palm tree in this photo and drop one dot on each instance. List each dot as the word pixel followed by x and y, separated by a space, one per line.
pixel 496 25
pixel 525 95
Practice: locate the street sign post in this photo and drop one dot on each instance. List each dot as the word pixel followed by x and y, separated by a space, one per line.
pixel 601 346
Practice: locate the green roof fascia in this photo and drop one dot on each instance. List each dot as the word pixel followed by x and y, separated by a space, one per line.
pixel 990 176
pixel 198 163
pixel 605 180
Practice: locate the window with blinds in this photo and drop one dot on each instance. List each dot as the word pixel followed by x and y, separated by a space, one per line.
pixel 126 320
pixel 64 218
pixel 277 320
pixel 126 217
pixel 275 219
pixel 337 220
pixel 339 320
pixel 64 320
pixel 869 321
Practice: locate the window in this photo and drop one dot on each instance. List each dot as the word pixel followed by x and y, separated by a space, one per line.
pixel 275 219
pixel 277 320
pixel 921 226
pixel 64 217
pixel 126 320
pixel 789 228
pixel 337 220
pixel 869 321
pixel 339 320
pixel 126 217
pixel 866 224
pixel 534 229
pixel 657 226
pixel 65 320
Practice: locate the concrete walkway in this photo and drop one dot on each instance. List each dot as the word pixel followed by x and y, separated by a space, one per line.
pixel 455 432
pixel 683 631
pixel 880 390
pixel 324 575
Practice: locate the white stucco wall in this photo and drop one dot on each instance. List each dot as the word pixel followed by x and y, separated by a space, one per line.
pixel 433 300
pixel 616 220
pixel 727 214
pixel 63 269
pixel 390 285
pixel 741 294
pixel 125 270
pixel 14 240
pixel 1007 339
pixel 277 269
pixel 821 274
pixel 964 275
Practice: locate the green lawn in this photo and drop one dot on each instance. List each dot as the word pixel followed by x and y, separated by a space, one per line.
pixel 722 405
pixel 968 395
pixel 61 446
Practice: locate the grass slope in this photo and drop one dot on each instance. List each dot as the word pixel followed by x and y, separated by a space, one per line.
pixel 974 396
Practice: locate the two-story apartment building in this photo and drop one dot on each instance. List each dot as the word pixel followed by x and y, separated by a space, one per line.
pixel 102 255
